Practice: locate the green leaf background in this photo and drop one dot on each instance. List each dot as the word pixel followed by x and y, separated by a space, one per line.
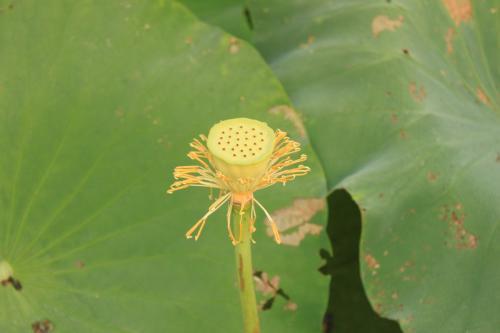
pixel 399 98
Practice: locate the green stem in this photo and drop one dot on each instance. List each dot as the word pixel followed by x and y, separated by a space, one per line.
pixel 243 251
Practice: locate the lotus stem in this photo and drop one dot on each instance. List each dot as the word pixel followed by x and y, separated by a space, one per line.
pixel 242 220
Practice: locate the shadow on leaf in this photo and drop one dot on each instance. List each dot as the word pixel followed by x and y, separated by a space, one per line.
pixel 348 308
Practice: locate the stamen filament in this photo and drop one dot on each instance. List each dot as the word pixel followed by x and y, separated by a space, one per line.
pixel 213 207
pixel 229 229
pixel 276 233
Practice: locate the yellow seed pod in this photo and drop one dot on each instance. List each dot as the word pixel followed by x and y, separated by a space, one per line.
pixel 6 270
pixel 241 149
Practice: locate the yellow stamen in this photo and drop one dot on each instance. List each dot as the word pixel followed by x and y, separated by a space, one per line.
pixel 213 207
pixel 276 233
pixel 253 217
pixel 229 229
pixel 241 223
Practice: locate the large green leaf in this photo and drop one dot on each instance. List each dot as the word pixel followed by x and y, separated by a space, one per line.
pixel 98 102
pixel 401 100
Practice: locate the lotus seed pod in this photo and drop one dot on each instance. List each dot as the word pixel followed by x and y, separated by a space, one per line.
pixel 239 157
pixel 241 150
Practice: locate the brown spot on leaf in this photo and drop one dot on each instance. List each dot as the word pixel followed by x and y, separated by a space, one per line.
pixel 417 93
pixel 372 263
pixel 381 23
pixel 234 45
pixel 455 217
pixel 471 241
pixel 290 114
pixel 295 238
pixel 402 134
pixel 459 10
pixel 293 221
pixel 188 40
pixel 432 176
pixel 394 118
pixel 482 97
pixel 450 34
pixel 80 264
pixel 498 158
pixel 44 326
pixel 395 296
pixel 290 306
